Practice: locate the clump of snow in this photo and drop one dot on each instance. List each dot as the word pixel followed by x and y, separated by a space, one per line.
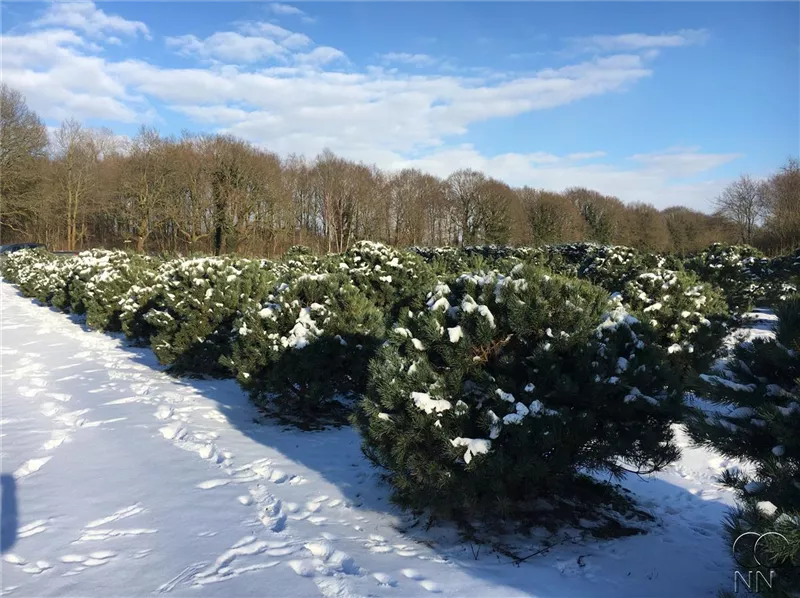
pixel 486 313
pixel 425 403
pixel 504 396
pixel 475 446
pixel 516 418
pixel 754 487
pixel 455 334
pixel 495 425
pixel 718 380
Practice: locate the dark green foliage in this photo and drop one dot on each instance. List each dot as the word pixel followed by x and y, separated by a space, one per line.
pixel 392 279
pixel 447 261
pixel 728 268
pixel 187 314
pixel 303 352
pixel 91 283
pixel 37 272
pixel 758 422
pixel 102 278
pixel 504 388
pixel 296 251
pixel 688 317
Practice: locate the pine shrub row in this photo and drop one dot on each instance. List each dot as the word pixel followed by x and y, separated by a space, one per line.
pixel 757 420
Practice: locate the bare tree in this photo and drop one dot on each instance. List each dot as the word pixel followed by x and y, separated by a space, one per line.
pixel 781 203
pixel 551 217
pixel 220 193
pixel 602 213
pixel 646 228
pixel 463 192
pixel 742 202
pixel 690 230
pixel 23 147
pixel 145 183
pixel 494 212
pixel 299 184
pixel 78 152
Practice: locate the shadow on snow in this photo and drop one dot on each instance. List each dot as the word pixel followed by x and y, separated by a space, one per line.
pixel 633 566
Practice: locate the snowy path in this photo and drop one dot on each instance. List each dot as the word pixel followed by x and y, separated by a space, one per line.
pixel 118 480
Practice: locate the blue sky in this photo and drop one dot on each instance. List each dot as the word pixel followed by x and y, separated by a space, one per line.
pixel 656 102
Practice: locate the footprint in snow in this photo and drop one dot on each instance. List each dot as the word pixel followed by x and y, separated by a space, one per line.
pixel 164 412
pixel 105 534
pixel 384 579
pixel 95 559
pixel 37 568
pixel 130 511
pixel 31 466
pixel 59 396
pixel 33 528
pixel 429 585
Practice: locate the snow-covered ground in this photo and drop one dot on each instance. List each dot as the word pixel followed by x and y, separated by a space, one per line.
pixel 118 480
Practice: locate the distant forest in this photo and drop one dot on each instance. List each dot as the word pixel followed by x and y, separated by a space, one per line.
pixel 83 187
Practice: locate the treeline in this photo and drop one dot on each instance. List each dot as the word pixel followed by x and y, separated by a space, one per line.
pixel 82 187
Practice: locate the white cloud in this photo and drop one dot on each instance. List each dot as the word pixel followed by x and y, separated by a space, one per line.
pixel 285 9
pixel 85 16
pixel 288 39
pixel 641 41
pixel 60 82
pixel 661 183
pixel 227 46
pixel 407 58
pixel 279 8
pixel 683 162
pixel 253 42
pixel 319 56
pixel 374 114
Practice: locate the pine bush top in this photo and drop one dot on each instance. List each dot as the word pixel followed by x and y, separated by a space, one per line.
pixel 391 278
pixel 506 386
pixel 186 310
pixel 734 270
pixel 688 317
pixel 306 345
pixel 37 272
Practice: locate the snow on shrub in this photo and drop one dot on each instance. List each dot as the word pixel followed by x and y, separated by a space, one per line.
pixel 611 267
pixel 391 278
pixel 303 351
pixel 186 313
pixel 758 421
pixel 99 279
pixel 37 272
pixel 733 270
pixel 507 389
pixel 457 260
pixel 688 317
pixel 92 282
